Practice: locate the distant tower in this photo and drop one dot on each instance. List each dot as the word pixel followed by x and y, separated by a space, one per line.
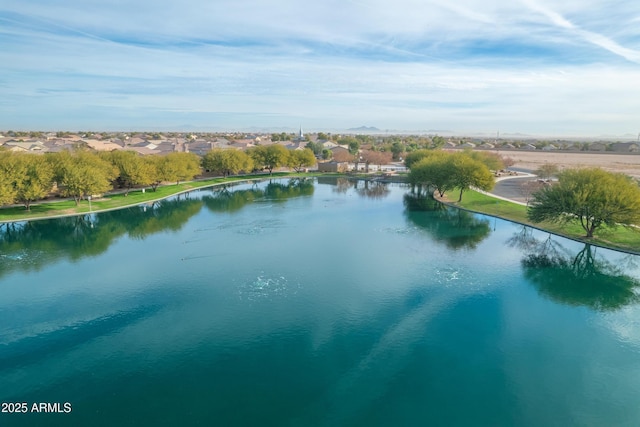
pixel 301 135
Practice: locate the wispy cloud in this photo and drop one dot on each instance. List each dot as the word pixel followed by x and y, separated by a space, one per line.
pixel 476 65
pixel 589 36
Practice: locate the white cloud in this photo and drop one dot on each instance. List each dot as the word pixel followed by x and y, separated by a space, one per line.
pixel 413 65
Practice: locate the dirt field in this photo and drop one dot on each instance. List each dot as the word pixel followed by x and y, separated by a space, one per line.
pixel 625 163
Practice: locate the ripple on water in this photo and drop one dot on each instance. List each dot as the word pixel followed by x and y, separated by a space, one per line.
pixel 266 287
pixel 262 227
pixel 396 230
pixel 23 257
pixel 453 277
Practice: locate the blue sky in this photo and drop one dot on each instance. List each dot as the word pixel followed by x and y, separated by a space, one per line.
pixel 540 67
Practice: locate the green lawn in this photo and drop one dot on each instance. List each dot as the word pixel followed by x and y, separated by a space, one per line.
pixel 479 202
pixel 618 238
pixel 115 201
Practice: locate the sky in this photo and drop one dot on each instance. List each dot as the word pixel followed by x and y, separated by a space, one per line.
pixel 535 67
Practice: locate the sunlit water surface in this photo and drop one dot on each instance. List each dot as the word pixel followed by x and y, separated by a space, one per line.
pixel 306 303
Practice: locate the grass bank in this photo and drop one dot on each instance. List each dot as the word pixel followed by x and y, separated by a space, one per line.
pixel 58 208
pixel 620 238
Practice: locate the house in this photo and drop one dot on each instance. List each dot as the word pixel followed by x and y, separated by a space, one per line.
pixel 199 147
pixel 142 150
pixel 625 147
pixel 328 145
pixel 242 144
pixel 221 143
pixel 597 146
pixel 136 141
pixel 24 146
pixel 298 145
pixel 333 166
pixel 102 145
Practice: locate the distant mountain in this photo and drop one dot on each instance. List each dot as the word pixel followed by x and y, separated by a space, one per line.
pixel 364 129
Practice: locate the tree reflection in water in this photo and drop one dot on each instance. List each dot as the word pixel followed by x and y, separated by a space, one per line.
pixel 32 245
pixel 363 187
pixel 229 199
pixel 371 189
pixel 584 279
pixel 456 228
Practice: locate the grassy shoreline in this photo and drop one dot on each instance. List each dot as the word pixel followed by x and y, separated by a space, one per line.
pixel 621 239
pixel 62 208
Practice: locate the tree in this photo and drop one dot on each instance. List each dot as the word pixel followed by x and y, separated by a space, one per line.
pixel 153 165
pixel 376 157
pixel 467 172
pixel 178 167
pixel 270 156
pixel 592 197
pixel 82 173
pixel 8 174
pixel 354 147
pixel 133 169
pixel 492 160
pixel 35 179
pixel 437 141
pixel 300 159
pixel 315 147
pixel 417 155
pixel 342 156
pixel 397 149
pixel 227 161
pixel 547 170
pixel 528 188
pixel 508 162
pixel 433 172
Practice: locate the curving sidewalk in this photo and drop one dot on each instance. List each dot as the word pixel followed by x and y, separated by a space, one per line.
pixel 494 194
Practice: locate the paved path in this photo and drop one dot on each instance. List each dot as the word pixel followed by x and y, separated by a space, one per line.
pixel 508 188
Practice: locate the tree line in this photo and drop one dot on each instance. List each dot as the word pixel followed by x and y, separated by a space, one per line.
pixel 26 178
pixel 591 197
pixel 442 171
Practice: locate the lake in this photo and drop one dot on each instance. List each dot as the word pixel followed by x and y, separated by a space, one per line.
pixel 317 302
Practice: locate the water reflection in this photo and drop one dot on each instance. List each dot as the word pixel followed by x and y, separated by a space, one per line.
pixel 31 245
pixel 224 200
pixel 339 185
pixel 583 279
pixel 277 191
pixel 370 189
pixel 456 228
pixel 231 199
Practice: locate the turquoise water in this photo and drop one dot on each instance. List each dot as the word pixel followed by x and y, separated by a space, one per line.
pixel 314 303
